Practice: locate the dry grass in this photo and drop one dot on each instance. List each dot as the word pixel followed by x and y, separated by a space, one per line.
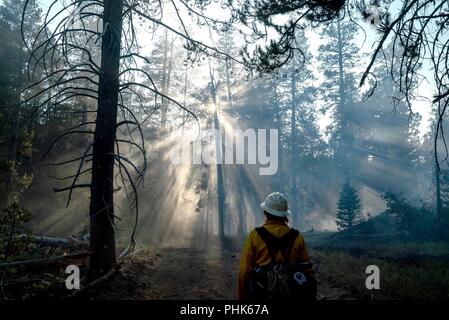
pixel 399 280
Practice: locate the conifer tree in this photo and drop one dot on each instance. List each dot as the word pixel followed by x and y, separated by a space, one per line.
pixel 349 207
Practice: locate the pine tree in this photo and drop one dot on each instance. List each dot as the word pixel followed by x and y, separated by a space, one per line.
pixel 338 57
pixel 227 69
pixel 391 138
pixel 349 207
pixel 16 120
pixel 167 70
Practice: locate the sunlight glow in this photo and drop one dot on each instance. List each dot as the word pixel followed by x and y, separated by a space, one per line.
pixel 211 107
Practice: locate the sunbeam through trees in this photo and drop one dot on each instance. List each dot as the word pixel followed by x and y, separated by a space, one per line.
pixel 196 149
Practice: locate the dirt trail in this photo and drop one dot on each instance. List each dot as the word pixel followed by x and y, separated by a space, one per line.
pixel 185 273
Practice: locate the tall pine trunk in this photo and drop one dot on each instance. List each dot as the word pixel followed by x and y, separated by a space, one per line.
pixel 341 91
pixel 102 240
pixel 167 85
pixel 279 125
pixel 164 82
pixel 228 84
pixel 293 150
pixel 221 197
pixel 342 157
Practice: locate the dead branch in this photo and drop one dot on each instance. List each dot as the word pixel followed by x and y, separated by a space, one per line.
pixel 51 262
pixel 77 186
pixel 62 136
pixel 66 162
pixel 72 176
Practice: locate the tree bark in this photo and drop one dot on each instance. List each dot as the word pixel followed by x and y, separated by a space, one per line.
pixel 220 180
pixel 219 156
pixel 228 83
pixel 279 125
pixel 342 156
pixel 169 68
pixel 294 188
pixel 340 68
pixel 57 261
pixel 102 240
pixel 164 81
pixel 185 96
pixel 341 82
pixel 167 86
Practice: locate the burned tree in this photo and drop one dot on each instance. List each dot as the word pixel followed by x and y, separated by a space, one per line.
pixel 102 240
pixel 63 49
pixel 66 77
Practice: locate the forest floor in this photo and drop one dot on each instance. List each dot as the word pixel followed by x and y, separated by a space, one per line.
pixel 187 273
pixel 408 271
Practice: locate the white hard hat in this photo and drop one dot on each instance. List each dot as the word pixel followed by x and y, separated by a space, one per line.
pixel 276 204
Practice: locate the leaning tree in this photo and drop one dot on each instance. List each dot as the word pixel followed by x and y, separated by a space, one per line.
pixel 89 49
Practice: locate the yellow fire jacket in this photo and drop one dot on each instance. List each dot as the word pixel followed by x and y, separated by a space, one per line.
pixel 255 253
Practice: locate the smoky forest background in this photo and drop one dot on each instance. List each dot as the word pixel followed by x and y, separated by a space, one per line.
pixel 95 94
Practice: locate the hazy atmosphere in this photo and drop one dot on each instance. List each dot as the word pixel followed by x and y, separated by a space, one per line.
pixel 138 136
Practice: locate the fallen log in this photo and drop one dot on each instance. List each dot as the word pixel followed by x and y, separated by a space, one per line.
pixel 50 262
pixel 52 241
pixel 58 242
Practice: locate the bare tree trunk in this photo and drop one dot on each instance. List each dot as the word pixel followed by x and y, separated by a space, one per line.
pixel 167 85
pixel 185 96
pixel 169 68
pixel 278 114
pixel 340 68
pixel 218 149
pixel 220 181
pixel 293 108
pixel 341 75
pixel 102 240
pixel 241 228
pixel 342 158
pixel 293 150
pixel 228 84
pixel 164 80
